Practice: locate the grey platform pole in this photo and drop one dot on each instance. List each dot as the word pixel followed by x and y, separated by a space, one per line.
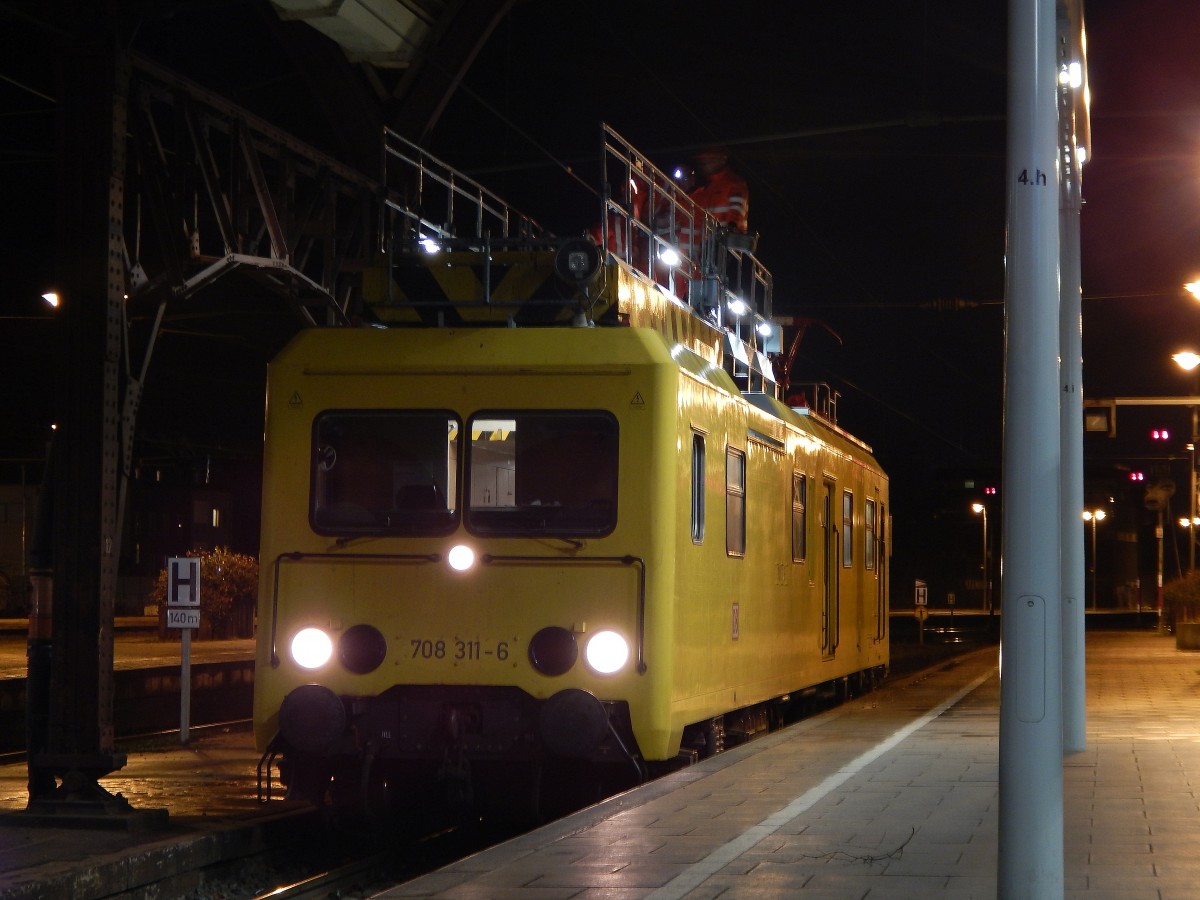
pixel 1030 857
pixel 1074 583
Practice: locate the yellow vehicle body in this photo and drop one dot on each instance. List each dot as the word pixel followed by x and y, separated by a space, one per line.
pixel 714 625
pixel 557 516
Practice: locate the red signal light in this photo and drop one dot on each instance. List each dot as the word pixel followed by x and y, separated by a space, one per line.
pixel 1160 434
pixel 1137 476
pixel 990 491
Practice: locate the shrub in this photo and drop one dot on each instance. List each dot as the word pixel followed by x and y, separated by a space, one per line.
pixel 228 594
pixel 1181 599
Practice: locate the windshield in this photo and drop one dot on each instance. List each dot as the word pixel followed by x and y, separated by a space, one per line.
pixel 540 472
pixel 526 472
pixel 384 471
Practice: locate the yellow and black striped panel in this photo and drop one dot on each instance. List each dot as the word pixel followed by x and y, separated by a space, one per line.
pixel 457 289
pixel 473 288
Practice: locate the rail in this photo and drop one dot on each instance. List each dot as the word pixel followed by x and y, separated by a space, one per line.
pixel 487 559
pixel 432 200
pixel 627 560
pixel 680 245
pixel 297 555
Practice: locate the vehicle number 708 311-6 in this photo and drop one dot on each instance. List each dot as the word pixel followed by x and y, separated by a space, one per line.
pixel 458 649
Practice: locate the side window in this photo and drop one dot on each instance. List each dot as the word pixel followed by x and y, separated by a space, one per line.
pixel 697 488
pixel 735 502
pixel 869 534
pixel 847 528
pixel 799 517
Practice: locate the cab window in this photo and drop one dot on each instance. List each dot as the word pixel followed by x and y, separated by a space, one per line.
pixel 379 472
pixel 540 472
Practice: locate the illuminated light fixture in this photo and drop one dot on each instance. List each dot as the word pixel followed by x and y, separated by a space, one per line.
pixel 311 648
pixel 1081 154
pixel 1187 360
pixel 1099 515
pixel 669 256
pixel 1071 75
pixel 52 299
pixel 677 174
pixel 1193 288
pixel 738 307
pixel 461 557
pixel 429 245
pixel 606 652
pixel 764 329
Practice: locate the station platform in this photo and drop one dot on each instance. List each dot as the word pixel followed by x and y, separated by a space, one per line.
pixel 209 789
pixel 135 646
pixel 892 795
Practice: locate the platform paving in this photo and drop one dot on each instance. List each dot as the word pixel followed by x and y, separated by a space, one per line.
pixel 894 795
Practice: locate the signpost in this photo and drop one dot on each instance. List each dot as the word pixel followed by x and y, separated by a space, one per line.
pixel 183 611
pixel 921 607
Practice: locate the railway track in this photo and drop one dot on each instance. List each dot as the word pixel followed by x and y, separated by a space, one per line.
pixel 297 867
pixel 360 878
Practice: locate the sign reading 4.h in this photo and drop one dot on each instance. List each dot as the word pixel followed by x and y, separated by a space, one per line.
pixel 183 592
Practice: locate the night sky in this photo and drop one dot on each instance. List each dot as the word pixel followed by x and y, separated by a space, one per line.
pixel 872 137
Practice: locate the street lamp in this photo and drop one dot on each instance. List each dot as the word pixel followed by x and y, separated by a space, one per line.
pixel 1093 516
pixel 980 510
pixel 1187 360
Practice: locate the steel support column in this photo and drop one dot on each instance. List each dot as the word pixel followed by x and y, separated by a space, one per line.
pixel 1030 857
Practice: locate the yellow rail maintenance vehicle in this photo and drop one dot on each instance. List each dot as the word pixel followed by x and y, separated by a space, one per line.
pixel 555 525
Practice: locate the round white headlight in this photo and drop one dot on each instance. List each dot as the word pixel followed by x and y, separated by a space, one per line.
pixel 311 648
pixel 461 557
pixel 606 652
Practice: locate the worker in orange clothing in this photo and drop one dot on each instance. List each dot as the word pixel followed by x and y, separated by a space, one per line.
pixel 624 239
pixel 722 193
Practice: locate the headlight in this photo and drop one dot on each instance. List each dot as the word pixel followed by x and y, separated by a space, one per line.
pixel 606 652
pixel 311 648
pixel 461 557
pixel 362 649
pixel 553 651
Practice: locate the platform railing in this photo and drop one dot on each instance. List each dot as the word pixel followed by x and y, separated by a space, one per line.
pixel 434 200
pixel 714 269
